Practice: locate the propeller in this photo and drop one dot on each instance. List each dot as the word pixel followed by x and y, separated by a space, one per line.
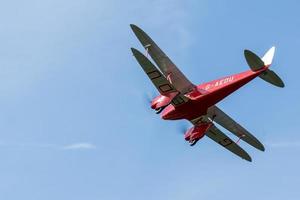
pixel 147 99
pixel 183 127
pixel 149 96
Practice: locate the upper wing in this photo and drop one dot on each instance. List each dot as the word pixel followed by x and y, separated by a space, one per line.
pixel 228 123
pixel 168 68
pixel 160 82
pixel 216 135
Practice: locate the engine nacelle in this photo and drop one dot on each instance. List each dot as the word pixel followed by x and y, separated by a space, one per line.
pixel 197 132
pixel 162 100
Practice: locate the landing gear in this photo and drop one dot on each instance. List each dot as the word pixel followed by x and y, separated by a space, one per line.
pixel 193 142
pixel 159 110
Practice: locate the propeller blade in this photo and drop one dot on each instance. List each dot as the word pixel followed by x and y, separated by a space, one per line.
pixel 149 96
pixel 183 127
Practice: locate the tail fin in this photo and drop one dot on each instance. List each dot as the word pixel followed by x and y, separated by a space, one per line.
pixel 256 63
pixel 268 57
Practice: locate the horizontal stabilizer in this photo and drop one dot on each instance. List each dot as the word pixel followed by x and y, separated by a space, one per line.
pixel 254 62
pixel 271 77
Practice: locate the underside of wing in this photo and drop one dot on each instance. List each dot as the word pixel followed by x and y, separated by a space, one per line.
pixel 160 82
pixel 216 135
pixel 218 116
pixel 158 79
pixel 219 137
pixel 167 67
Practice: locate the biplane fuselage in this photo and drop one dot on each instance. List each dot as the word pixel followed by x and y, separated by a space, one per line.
pixel 208 94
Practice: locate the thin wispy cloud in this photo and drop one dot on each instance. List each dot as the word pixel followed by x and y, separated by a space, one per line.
pixel 79 146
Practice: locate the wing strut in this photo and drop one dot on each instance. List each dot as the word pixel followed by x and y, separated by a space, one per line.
pixel 240 137
pixel 147 50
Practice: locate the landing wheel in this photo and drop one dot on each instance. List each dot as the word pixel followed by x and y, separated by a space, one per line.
pixel 193 142
pixel 159 110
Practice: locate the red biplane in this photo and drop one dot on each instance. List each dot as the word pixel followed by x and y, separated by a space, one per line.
pixel 181 99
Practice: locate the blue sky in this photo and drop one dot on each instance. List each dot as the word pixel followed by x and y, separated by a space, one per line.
pixel 73 120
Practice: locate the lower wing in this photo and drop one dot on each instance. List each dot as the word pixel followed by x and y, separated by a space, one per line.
pixel 219 137
pixel 216 135
pixel 158 79
pixel 167 67
pixel 218 116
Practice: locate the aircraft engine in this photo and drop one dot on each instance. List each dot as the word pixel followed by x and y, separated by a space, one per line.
pixel 162 101
pixel 196 133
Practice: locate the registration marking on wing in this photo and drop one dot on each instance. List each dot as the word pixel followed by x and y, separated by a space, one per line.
pixel 153 75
